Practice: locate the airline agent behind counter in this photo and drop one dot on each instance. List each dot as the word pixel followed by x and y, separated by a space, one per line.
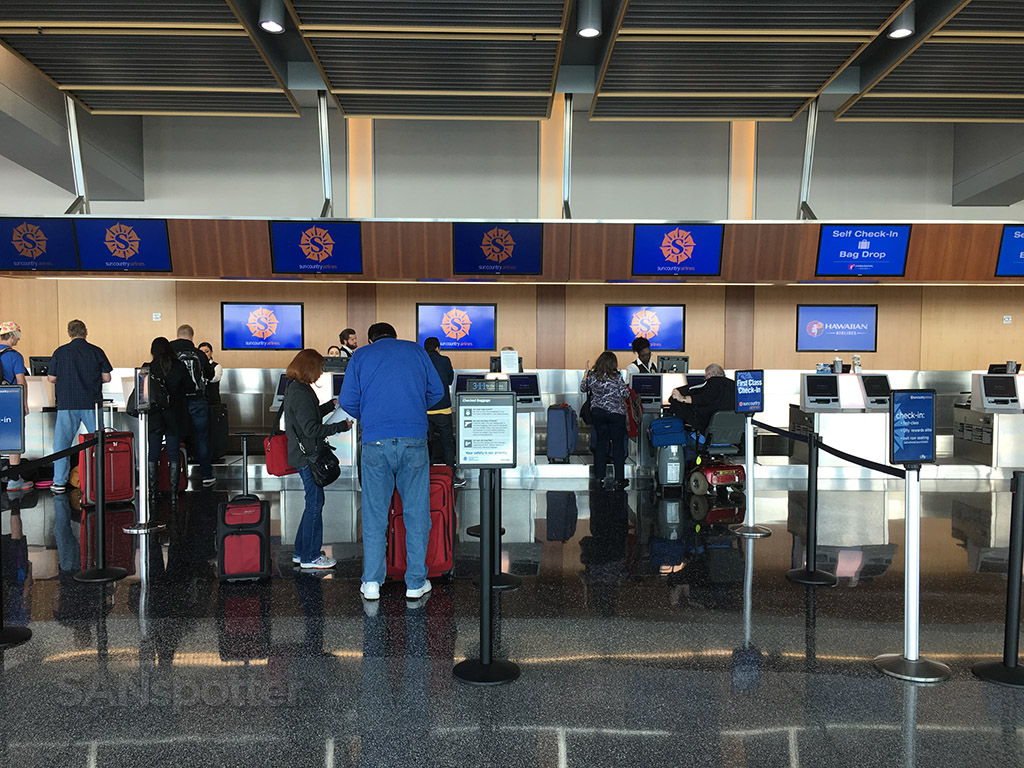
pixel 642 364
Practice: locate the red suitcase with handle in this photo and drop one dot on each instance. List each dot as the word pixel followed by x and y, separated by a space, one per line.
pixel 441 544
pixel 119 484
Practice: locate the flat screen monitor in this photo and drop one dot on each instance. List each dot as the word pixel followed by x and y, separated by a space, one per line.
pixel 663 327
pixel 38 366
pixel 999 386
pixel 462 380
pixel 324 247
pixel 458 326
pixel 1011 252
pixel 669 383
pixel 673 363
pixel 336 364
pixel 123 245
pixel 677 249
pixel 495 364
pixel 261 326
pixel 876 385
pixel 337 380
pixel 38 245
pixel 490 248
pixel 822 385
pixel 836 327
pixel 282 385
pixel 524 384
pixel 1001 368
pixel 646 384
pixel 859 249
pixel 694 379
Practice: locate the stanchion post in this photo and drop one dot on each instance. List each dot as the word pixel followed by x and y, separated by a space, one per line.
pixel 142 523
pixel 809 575
pixel 486 670
pixel 501 580
pixel 100 574
pixel 909 665
pixel 1006 672
pixel 750 529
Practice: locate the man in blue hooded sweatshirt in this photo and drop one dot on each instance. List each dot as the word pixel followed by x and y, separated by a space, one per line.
pixel 389 384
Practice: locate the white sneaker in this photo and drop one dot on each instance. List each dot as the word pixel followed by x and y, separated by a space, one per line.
pixel 57 488
pixel 321 563
pixel 209 482
pixel 370 590
pixel 415 594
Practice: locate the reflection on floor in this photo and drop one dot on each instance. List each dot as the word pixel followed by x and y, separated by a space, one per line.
pixel 638 641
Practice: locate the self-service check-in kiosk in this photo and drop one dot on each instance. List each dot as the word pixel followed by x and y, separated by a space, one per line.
pixel 526 387
pixel 836 406
pixel 648 387
pixel 991 430
pixel 876 391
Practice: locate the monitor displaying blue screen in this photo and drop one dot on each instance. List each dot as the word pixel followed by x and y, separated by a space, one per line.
pixel 1011 253
pixel 836 328
pixel 913 426
pixel 663 327
pixel 38 244
pixel 458 326
pixel 494 248
pixel 261 326
pixel 859 249
pixel 306 247
pixel 677 249
pixel 123 245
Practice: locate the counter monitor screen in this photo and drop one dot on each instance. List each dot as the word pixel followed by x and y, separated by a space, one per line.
pixel 1000 368
pixel 261 326
pixel 646 384
pixel 336 364
pixel 876 386
pixel 38 366
pixel 339 378
pixel 524 384
pixel 282 385
pixel 999 386
pixel 462 381
pixel 458 326
pixel 673 363
pixel 823 386
pixel 694 379
pixel 669 383
pixel 836 327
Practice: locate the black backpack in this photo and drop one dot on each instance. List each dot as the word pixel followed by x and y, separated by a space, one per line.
pixel 194 365
pixel 3 378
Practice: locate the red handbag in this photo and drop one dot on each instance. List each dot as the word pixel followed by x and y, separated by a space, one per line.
pixel 276 449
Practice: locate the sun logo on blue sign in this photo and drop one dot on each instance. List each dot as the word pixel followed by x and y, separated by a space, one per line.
pixel 498 245
pixel 122 241
pixel 262 323
pixel 317 244
pixel 645 323
pixel 456 324
pixel 29 240
pixel 677 246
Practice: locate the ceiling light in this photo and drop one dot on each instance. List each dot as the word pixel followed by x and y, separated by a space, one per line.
pixel 588 18
pixel 272 16
pixel 904 24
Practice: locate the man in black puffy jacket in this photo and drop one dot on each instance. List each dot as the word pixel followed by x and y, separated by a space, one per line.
pixel 696 405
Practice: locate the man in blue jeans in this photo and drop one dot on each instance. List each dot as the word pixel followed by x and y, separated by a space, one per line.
pixel 388 387
pixel 78 371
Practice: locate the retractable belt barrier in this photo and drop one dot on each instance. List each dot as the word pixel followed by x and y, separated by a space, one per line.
pixel 30 464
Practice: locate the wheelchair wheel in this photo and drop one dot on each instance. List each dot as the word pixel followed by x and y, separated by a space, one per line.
pixel 699 507
pixel 699 485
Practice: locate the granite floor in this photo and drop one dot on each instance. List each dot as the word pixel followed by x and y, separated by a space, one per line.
pixel 642 638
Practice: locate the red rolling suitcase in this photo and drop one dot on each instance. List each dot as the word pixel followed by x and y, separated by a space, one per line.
pixel 243 539
pixel 119 550
pixel 164 481
pixel 243 622
pixel 441 544
pixel 119 477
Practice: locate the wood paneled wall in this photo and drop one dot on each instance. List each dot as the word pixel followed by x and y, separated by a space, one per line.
pixel 962 328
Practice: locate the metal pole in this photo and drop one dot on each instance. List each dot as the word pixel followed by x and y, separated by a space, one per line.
pixel 1006 672
pixel 325 155
pixel 501 581
pixel 750 529
pixel 805 176
pixel 810 575
pixel 567 155
pixel 748 596
pixel 909 665
pixel 77 169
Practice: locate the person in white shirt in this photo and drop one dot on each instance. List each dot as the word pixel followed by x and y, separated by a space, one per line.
pixel 642 363
pixel 348 342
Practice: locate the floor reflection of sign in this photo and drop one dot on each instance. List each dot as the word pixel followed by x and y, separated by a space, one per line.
pixel 12 420
pixel 487 430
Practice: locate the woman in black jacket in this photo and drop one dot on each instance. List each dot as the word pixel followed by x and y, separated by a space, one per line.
pixel 303 424
pixel 168 414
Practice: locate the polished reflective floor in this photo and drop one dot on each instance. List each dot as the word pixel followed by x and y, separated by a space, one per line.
pixel 643 639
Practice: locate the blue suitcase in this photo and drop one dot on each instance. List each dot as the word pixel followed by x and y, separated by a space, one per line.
pixel 563 429
pixel 668 431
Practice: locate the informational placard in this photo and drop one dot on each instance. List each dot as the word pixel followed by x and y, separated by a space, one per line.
pixel 862 249
pixel 677 249
pixel 663 327
pixel 325 247
pixel 494 248
pixel 912 414
pixel 123 245
pixel 750 391
pixel 510 361
pixel 1011 252
pixel 458 326
pixel 12 419
pixel 836 328
pixel 486 429
pixel 38 244
pixel 261 326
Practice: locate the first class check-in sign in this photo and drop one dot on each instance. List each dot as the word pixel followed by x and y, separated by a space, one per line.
pixel 750 391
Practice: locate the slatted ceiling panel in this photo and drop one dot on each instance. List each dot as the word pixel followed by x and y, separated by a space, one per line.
pixel 937 109
pixel 1006 16
pixel 521 14
pixel 750 15
pixel 439 65
pixel 678 66
pixel 696 109
pixel 940 67
pixel 154 60
pixel 377 105
pixel 179 12
pixel 135 102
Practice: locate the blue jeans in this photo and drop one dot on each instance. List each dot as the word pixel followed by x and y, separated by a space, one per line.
pixel 401 463
pixel 199 410
pixel 310 536
pixel 156 440
pixel 64 434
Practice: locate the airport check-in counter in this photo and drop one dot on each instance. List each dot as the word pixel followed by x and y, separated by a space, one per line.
pixel 991 430
pixel 849 412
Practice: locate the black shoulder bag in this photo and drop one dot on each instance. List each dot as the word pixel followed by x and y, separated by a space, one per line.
pixel 323 464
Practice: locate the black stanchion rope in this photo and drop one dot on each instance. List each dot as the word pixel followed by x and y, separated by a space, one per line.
pixel 16 471
pixel 885 469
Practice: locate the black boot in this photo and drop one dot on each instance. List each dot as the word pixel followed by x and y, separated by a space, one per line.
pixel 153 481
pixel 174 477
